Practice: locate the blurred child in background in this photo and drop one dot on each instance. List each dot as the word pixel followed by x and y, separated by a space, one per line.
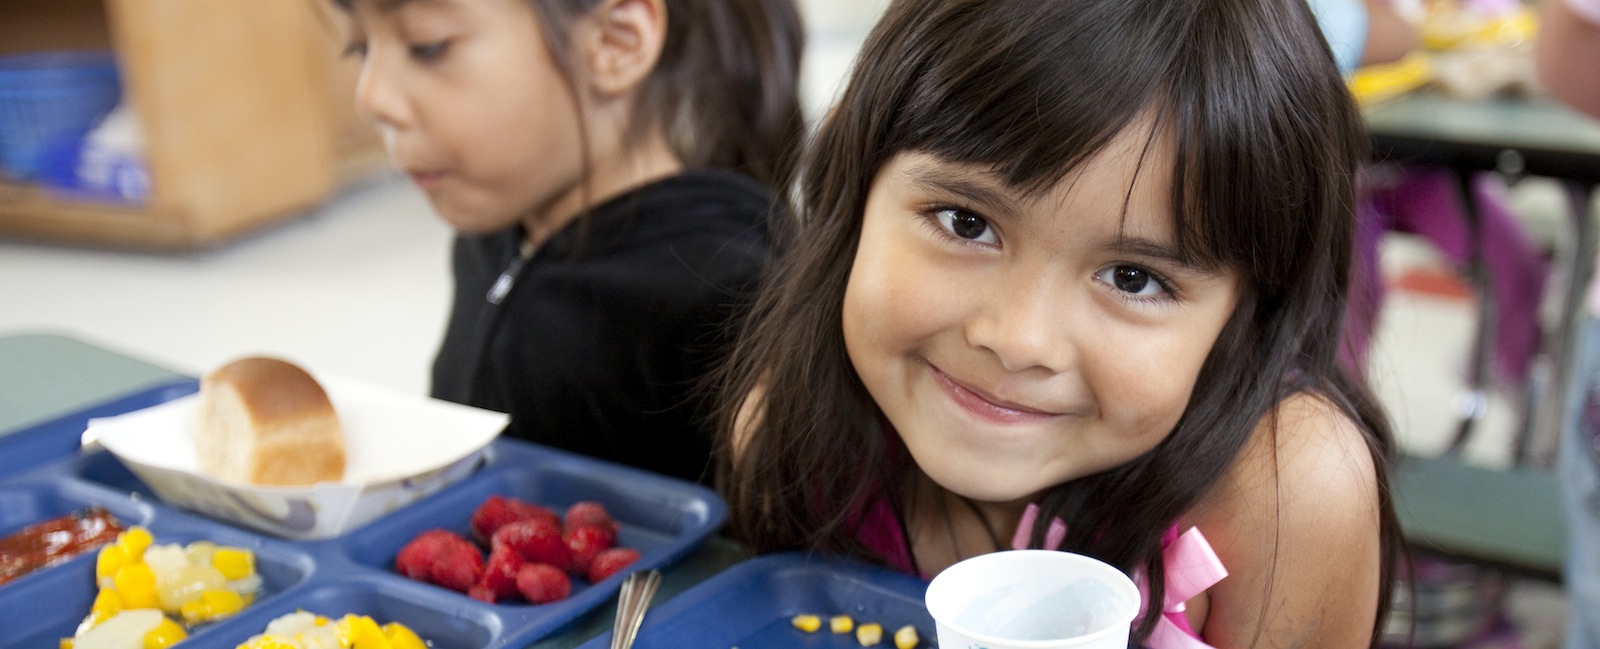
pixel 608 165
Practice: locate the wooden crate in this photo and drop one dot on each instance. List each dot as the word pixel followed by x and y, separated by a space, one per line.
pixel 246 110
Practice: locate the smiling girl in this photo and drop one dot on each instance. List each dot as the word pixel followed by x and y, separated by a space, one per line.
pixel 1070 275
pixel 608 165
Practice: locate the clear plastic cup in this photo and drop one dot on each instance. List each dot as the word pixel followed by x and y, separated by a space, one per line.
pixel 1032 599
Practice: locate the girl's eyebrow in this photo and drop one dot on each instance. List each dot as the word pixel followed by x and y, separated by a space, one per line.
pixel 976 187
pixel 391 6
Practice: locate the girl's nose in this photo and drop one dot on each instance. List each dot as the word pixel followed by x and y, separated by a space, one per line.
pixel 378 95
pixel 1026 325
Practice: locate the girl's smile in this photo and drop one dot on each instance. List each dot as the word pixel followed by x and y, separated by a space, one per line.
pixel 426 180
pixel 985 406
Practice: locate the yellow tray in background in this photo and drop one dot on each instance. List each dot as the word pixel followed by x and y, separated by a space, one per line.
pixel 1375 83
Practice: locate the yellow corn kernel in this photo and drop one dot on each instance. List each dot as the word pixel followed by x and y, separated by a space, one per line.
pixel 362 633
pixel 166 634
pixel 806 622
pixel 66 643
pixel 136 583
pixel 106 604
pixel 869 634
pixel 194 611
pixel 133 541
pixel 906 637
pixel 269 642
pixel 212 605
pixel 841 624
pixel 234 563
pixel 403 638
pixel 111 559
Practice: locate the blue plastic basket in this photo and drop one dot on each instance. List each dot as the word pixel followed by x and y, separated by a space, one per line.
pixel 46 97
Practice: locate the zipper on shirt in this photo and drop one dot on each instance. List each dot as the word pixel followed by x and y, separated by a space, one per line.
pixel 508 277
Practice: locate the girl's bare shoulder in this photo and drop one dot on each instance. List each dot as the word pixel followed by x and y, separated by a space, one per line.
pixel 1296 521
pixel 1307 454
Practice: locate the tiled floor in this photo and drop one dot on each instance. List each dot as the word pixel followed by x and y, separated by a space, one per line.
pixel 359 287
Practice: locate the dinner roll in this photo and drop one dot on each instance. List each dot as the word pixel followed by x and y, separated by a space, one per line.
pixel 266 421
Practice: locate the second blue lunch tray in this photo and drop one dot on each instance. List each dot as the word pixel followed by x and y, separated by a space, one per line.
pixel 749 606
pixel 663 518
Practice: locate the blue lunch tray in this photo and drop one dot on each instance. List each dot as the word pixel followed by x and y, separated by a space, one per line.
pixel 749 606
pixel 42 476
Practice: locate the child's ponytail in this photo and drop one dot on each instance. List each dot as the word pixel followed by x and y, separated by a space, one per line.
pixel 726 89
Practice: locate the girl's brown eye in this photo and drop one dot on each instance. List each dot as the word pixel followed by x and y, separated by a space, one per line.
pixel 968 226
pixel 1130 279
pixel 965 225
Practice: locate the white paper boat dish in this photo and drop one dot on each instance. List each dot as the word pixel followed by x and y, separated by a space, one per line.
pixel 398 448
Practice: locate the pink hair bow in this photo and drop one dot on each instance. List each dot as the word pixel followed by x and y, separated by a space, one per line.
pixel 1191 567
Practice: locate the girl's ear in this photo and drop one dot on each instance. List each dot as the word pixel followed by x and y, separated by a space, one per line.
pixel 622 40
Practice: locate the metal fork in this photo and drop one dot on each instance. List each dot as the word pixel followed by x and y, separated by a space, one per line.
pixel 637 590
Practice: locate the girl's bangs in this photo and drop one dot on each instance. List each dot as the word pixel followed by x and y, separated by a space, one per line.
pixel 970 68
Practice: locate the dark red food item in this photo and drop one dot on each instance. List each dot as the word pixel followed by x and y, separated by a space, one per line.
pixel 533 553
pixel 609 562
pixel 458 568
pixel 585 543
pixel 53 541
pixel 416 558
pixel 483 594
pixel 500 573
pixel 537 540
pixel 542 583
pixel 497 510
pixel 586 513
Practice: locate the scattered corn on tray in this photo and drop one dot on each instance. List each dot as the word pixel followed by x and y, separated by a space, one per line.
pixel 791 600
pixel 43 476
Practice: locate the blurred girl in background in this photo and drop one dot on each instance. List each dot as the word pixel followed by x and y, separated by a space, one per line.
pixel 608 165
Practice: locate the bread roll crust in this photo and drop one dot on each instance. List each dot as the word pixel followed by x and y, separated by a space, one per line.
pixel 266 421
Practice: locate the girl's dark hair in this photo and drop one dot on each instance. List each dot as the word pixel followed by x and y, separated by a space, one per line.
pixel 1267 143
pixel 726 88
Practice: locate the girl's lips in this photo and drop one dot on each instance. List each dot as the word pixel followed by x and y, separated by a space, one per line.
pixel 985 406
pixel 425 179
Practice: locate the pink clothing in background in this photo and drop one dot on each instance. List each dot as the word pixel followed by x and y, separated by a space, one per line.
pixel 1428 202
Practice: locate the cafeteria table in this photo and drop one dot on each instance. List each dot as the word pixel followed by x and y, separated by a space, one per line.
pixel 1508 518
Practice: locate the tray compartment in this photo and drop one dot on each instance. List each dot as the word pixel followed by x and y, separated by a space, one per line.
pixel 749 606
pixel 60 437
pixel 47 605
pixel 661 518
pixel 102 468
pixel 24 504
pixel 444 623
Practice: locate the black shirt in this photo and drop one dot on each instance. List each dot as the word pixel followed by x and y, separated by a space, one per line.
pixel 600 341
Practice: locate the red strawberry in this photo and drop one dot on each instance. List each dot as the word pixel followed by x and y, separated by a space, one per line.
pixel 526 510
pixel 415 559
pixel 498 510
pixel 490 515
pixel 542 583
pixel 458 568
pixel 588 512
pixel 500 574
pixel 585 543
pixel 609 562
pixel 536 539
pixel 483 594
